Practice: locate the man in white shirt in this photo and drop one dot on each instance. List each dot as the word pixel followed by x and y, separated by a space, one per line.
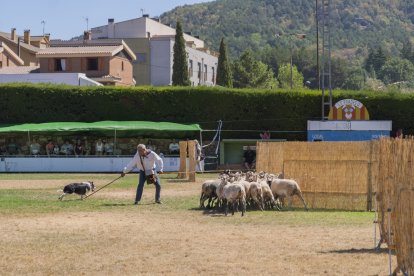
pixel 148 163
pixel 174 147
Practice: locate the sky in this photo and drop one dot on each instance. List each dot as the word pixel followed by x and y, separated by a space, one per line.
pixel 65 19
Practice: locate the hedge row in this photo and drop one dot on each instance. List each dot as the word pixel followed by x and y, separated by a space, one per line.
pixel 247 110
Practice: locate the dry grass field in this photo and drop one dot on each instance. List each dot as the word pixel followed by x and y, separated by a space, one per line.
pixel 107 235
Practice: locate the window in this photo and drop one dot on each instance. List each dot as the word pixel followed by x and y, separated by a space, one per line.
pixel 213 79
pixel 60 64
pixel 199 70
pixel 141 58
pixel 205 72
pixel 92 64
pixel 190 69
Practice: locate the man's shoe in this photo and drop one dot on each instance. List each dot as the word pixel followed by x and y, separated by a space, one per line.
pixel 158 201
pixel 136 202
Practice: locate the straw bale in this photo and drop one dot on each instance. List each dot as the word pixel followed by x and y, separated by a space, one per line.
pixel 384 190
pixel 269 156
pixel 395 196
pixel 331 184
pixel 327 172
pixel 326 151
pixel 403 220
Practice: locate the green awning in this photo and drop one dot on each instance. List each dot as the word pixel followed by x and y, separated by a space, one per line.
pixel 122 129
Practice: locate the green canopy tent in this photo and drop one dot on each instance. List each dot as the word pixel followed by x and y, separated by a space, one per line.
pixel 108 128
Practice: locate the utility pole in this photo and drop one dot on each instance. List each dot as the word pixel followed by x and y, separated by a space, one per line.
pixel 87 23
pixel 43 23
pixel 290 36
pixel 318 78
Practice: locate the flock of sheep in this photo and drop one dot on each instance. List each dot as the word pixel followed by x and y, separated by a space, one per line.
pixel 236 189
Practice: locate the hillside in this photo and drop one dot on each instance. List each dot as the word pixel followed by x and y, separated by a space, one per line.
pixel 255 23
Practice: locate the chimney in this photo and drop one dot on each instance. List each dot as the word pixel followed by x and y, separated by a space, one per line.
pixel 13 34
pixel 26 38
pixel 145 15
pixel 87 35
pixel 111 28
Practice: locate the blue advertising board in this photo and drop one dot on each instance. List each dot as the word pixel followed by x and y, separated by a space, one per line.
pixel 329 135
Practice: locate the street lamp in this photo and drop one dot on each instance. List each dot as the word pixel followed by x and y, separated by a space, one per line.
pixel 298 36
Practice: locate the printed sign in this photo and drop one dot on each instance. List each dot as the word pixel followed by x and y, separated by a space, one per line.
pixel 348 110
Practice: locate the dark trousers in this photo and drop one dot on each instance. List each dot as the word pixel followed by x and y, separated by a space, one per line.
pixel 140 188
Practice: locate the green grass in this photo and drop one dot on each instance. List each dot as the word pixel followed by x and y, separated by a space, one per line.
pixel 27 202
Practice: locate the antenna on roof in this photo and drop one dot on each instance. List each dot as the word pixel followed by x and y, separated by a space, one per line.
pixel 142 12
pixel 43 23
pixel 87 23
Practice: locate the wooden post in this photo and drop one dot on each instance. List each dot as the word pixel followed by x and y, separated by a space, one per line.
pixel 192 160
pixel 182 173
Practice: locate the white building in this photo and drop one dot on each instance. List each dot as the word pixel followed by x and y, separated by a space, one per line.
pixel 28 74
pixel 153 42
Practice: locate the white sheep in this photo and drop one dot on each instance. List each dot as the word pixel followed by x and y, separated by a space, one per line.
pixel 282 188
pixel 208 191
pixel 256 194
pixel 219 191
pixel 268 198
pixel 234 194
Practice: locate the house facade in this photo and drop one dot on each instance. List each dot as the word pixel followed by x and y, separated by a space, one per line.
pixel 107 62
pixel 201 64
pixel 26 46
pixel 152 42
pixel 8 58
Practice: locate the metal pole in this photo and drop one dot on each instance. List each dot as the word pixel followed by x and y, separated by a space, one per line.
pixel 375 222
pixel 317 45
pixel 115 142
pixel 291 67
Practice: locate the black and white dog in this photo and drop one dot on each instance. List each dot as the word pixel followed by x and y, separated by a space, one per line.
pixel 78 188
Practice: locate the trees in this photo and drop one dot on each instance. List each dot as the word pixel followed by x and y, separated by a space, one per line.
pixel 407 51
pixel 369 63
pixel 224 76
pixel 284 76
pixel 375 60
pixel 249 72
pixel 397 69
pixel 379 59
pixel 180 66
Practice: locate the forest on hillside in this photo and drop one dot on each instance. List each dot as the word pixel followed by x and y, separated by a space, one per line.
pixel 255 24
pixel 372 40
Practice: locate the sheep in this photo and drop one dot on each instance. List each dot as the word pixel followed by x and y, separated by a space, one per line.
pixel 282 188
pixel 219 191
pixel 208 191
pixel 246 186
pixel 268 198
pixel 256 194
pixel 234 193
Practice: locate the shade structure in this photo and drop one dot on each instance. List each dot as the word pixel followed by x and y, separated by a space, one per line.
pixel 121 128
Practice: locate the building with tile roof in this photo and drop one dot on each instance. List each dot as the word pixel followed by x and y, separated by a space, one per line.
pixel 152 42
pixel 108 62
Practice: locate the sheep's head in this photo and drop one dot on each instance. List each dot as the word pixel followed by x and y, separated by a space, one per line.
pixel 269 178
pixel 262 174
